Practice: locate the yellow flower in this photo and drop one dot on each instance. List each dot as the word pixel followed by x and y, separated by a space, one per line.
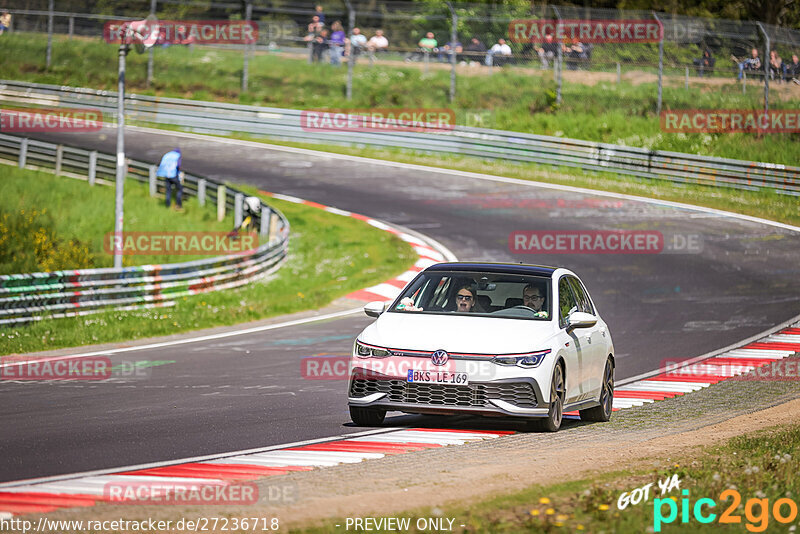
pixel 674 498
pixel 544 500
pixel 562 517
pixel 558 524
pixel 579 527
pixel 534 512
pixel 603 507
pixel 549 511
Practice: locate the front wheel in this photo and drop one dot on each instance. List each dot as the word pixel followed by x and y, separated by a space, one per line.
pixel 602 413
pixel 367 416
pixel 558 393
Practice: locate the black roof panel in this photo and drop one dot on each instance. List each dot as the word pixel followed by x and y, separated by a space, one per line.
pixel 507 268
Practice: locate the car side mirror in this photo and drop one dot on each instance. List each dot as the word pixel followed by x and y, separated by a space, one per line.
pixel 375 308
pixel 581 320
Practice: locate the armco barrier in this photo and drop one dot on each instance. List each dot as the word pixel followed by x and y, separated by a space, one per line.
pixel 285 124
pixel 34 296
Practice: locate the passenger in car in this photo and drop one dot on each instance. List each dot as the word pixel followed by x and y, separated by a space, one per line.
pixel 465 299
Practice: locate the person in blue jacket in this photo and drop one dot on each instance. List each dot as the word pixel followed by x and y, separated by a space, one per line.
pixel 170 170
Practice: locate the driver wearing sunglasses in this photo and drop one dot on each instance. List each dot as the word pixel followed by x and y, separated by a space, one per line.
pixel 465 299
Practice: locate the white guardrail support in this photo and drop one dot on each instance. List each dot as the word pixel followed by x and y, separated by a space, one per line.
pixel 285 124
pixel 35 296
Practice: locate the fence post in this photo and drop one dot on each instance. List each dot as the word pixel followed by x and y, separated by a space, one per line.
pixel 49 56
pixel 426 56
pixel 351 59
pixel 660 64
pixel 23 153
pixel 558 65
pixel 619 73
pixel 687 78
pixel 59 159
pixel 149 80
pixel 71 27
pixel 265 220
pixel 248 14
pixel 220 203
pixel 766 68
pixel 201 192
pixel 153 180
pixel 744 82
pixel 92 166
pixel 453 56
pixel 238 201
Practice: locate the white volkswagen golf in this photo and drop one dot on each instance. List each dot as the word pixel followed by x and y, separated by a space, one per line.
pixel 486 339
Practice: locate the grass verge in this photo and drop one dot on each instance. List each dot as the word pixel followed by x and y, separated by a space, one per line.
pixel 518 99
pixel 760 467
pixel 321 266
pixel 52 223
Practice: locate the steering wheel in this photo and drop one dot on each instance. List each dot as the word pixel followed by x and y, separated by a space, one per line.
pixel 524 308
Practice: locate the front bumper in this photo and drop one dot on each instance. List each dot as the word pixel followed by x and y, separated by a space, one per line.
pixel 515 397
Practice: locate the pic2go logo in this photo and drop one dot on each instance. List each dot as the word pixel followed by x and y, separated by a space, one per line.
pixel 756 511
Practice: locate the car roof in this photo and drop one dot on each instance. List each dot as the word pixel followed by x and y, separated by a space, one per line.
pixel 506 268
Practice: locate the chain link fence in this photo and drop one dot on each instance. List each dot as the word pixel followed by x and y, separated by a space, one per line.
pixel 479 39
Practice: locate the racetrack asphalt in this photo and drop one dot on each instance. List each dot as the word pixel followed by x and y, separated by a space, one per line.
pixel 247 391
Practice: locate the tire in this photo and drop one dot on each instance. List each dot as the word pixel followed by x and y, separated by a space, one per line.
pixel 367 416
pixel 602 413
pixel 555 412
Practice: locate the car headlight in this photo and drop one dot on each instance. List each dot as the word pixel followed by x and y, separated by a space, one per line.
pixel 526 360
pixel 370 351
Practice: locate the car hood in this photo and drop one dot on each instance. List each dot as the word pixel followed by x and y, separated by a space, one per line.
pixel 458 333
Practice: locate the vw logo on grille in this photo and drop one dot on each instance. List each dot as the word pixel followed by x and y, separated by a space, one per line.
pixel 439 357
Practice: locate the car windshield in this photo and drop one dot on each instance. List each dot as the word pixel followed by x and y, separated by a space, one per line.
pixel 485 294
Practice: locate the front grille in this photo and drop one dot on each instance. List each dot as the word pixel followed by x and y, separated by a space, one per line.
pixel 476 395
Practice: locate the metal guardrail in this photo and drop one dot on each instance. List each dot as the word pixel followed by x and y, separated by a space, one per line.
pixel 35 296
pixel 285 124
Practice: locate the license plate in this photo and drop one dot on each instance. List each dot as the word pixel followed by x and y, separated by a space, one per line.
pixel 437 377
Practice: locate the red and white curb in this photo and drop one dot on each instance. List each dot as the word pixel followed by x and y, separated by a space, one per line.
pixel 83 491
pixel 428 251
pixel 698 375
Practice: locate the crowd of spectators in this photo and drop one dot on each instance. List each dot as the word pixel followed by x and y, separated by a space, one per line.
pixel 332 44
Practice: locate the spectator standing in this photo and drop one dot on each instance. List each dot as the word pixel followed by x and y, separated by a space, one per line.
pixel 358 42
pixel 5 21
pixel 320 46
pixel 751 63
pixel 776 66
pixel 705 64
pixel 378 43
pixel 336 43
pixel 170 170
pixel 320 12
pixel 474 50
pixel 548 50
pixel 793 70
pixel 498 49
pixel 453 47
pixel 576 53
pixel 428 43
